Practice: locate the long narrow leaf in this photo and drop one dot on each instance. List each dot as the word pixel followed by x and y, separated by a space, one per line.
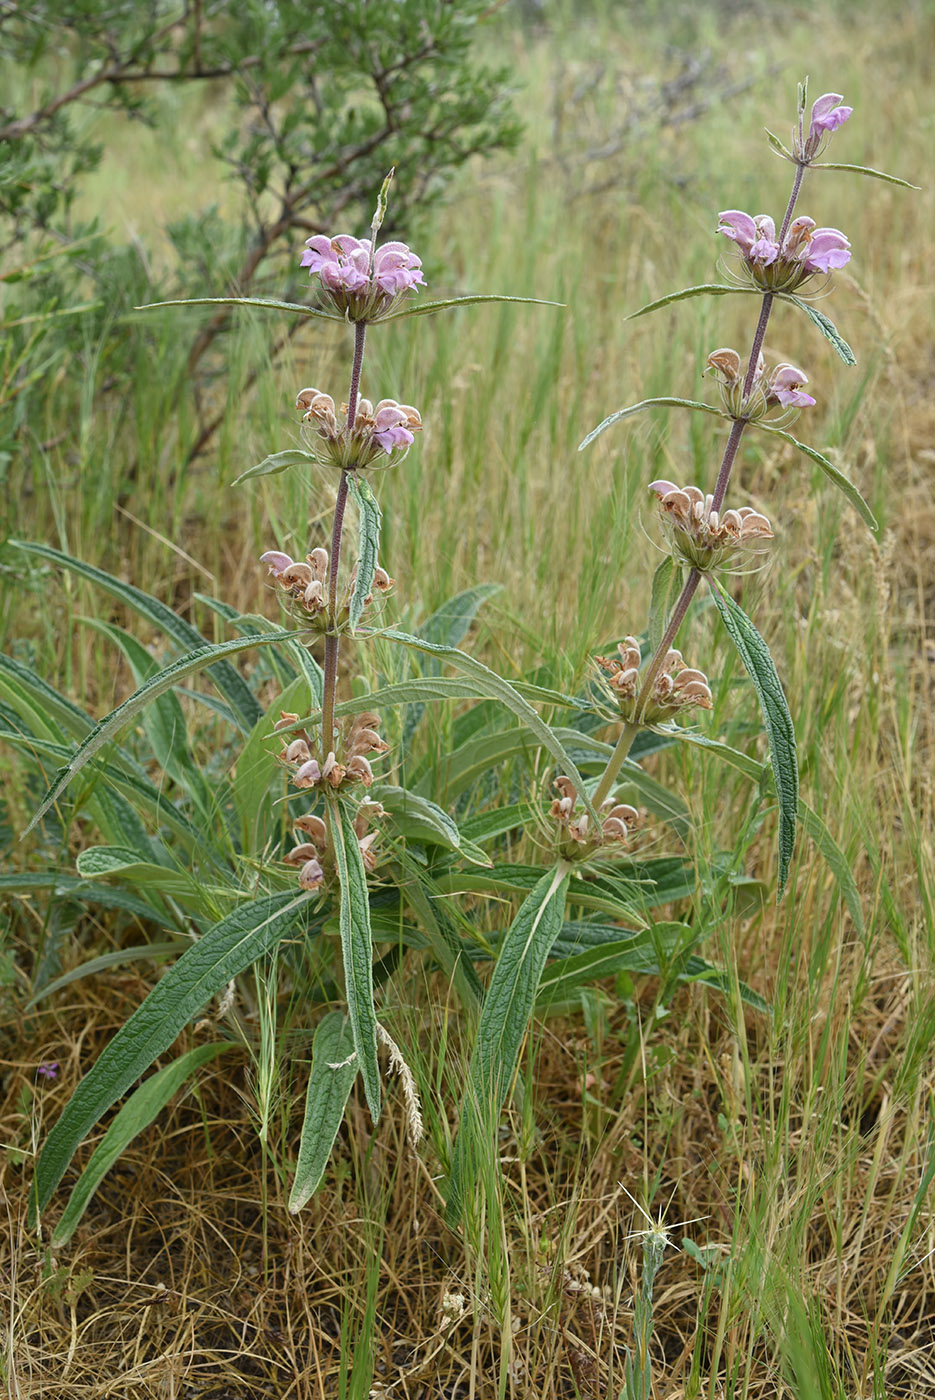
pixel 296 308
pixel 504 1020
pixel 232 686
pixel 428 308
pixel 357 950
pixel 135 1115
pixel 713 289
pixel 274 464
pixel 329 1088
pixel 499 689
pixel 199 974
pixel 649 403
pixel 369 549
pixel 164 680
pixel 833 474
pixel 780 730
pixel 864 170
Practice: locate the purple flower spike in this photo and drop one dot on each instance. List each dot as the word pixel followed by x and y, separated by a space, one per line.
pixel 827 115
pixel 362 284
pixel 772 267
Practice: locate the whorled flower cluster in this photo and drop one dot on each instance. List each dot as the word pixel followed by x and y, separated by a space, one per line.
pixel 827 115
pixel 309 771
pixel 677 687
pixel 362 284
pixel 617 819
pixel 304 584
pixel 705 538
pixel 309 855
pixel 385 431
pixel 783 267
pixel 781 388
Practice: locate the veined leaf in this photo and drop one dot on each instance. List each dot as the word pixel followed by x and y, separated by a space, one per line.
pixel 231 685
pixel 780 730
pixel 329 1088
pixel 136 1114
pixel 369 549
pixel 833 474
pixel 428 308
pixel 824 323
pixel 357 951
pixel 864 170
pixel 422 820
pixel 714 289
pixel 274 464
pixel 777 146
pixel 107 862
pixel 164 680
pixel 504 1020
pixel 650 403
pixel 499 689
pixel 257 763
pixel 183 990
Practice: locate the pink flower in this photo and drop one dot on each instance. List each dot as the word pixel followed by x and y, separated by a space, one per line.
pixel 362 284
pixel 375 433
pixel 784 386
pixel 827 115
pixel 48 1069
pixel 785 266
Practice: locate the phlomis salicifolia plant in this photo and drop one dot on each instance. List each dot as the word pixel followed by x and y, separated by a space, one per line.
pixel 313 835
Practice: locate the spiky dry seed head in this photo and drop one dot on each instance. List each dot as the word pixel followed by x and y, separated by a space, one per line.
pixel 303 585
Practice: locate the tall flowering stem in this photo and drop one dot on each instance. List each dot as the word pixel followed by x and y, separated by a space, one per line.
pixel 630 730
pixel 332 638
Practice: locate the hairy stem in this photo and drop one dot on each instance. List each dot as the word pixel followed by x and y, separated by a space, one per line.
pixel 332 638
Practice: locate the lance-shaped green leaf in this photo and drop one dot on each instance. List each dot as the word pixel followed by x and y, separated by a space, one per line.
pixel 295 308
pixel 357 951
pixel 824 323
pixel 274 464
pixel 157 685
pixel 428 308
pixel 504 1020
pixel 334 1069
pixel 496 688
pixel 667 585
pixel 864 170
pixel 203 971
pixel 232 686
pixel 650 403
pixel 369 548
pixel 713 289
pixel 780 731
pixel 136 1114
pixel 833 856
pixel 834 475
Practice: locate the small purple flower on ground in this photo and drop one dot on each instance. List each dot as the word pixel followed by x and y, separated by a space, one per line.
pixel 47 1070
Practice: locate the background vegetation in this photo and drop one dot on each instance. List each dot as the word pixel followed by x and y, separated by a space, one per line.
pixel 789 1155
